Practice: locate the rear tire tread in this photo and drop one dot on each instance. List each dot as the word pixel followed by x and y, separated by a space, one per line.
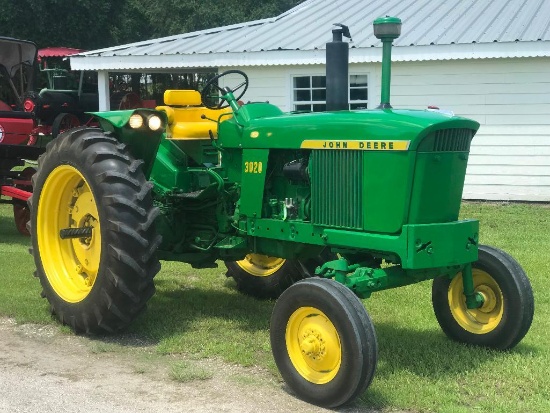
pixel 128 261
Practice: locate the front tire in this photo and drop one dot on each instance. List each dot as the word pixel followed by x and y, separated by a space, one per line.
pixel 323 342
pixel 507 312
pixel 99 282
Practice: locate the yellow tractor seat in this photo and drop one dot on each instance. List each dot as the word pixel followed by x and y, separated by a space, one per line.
pixel 184 110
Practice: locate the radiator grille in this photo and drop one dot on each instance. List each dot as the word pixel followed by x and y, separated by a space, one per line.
pixel 453 140
pixel 337 188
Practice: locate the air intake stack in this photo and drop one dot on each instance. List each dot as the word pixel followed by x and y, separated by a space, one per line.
pixel 386 29
pixel 337 69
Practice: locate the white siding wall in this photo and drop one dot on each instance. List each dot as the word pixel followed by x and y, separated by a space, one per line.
pixel 267 83
pixel 510 156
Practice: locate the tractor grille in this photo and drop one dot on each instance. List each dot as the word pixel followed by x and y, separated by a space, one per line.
pixel 453 140
pixel 337 188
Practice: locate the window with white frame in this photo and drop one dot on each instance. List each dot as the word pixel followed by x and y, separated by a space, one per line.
pixel 309 93
pixel 358 91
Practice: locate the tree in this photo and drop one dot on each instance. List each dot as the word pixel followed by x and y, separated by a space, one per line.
pixel 72 23
pixel 170 17
pixel 93 24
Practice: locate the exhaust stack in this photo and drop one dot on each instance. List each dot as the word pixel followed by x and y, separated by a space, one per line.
pixel 337 69
pixel 386 29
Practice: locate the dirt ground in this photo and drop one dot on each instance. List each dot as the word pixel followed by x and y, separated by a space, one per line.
pixel 43 370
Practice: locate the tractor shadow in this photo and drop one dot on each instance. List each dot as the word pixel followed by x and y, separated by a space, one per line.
pixel 181 306
pixel 430 353
pixel 174 310
pixel 427 353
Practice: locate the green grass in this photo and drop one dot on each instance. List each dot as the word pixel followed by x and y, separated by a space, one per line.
pixel 198 313
pixel 184 371
pixel 19 290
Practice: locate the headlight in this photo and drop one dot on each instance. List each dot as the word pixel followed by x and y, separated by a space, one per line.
pixel 154 123
pixel 136 121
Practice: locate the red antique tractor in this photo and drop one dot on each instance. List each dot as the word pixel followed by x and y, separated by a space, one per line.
pixel 68 96
pixel 47 112
pixel 62 103
pixel 17 71
pixel 26 114
pixel 15 184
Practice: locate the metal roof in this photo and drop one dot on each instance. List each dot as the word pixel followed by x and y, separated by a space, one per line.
pixel 432 30
pixel 58 51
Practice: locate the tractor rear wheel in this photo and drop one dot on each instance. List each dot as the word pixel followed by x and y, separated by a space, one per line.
pixel 63 122
pixel 508 307
pixel 21 216
pixel 21 212
pixel 93 232
pixel 262 276
pixel 323 342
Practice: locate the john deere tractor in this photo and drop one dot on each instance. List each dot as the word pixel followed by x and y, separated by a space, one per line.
pixel 322 209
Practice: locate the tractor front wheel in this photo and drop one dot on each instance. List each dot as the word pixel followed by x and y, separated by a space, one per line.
pixel 262 276
pixel 93 233
pixel 323 342
pixel 508 303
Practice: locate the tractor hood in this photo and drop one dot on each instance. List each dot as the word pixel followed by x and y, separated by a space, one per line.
pixel 386 129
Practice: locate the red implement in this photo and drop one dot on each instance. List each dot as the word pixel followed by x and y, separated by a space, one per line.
pixel 15 193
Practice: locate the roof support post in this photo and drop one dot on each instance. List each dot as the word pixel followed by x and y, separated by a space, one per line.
pixel 103 90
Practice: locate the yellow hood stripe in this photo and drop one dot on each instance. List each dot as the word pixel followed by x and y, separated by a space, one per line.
pixel 370 145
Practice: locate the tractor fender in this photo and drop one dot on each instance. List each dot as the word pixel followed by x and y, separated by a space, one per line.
pixel 143 142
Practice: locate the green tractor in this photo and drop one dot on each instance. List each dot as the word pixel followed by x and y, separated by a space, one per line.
pixel 320 209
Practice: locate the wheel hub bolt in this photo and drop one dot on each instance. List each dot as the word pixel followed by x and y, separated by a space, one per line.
pixel 489 298
pixel 310 346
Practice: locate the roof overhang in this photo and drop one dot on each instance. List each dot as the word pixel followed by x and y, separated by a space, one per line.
pixel 308 57
pixel 58 51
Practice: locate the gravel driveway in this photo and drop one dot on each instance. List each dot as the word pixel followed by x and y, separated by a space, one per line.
pixel 43 370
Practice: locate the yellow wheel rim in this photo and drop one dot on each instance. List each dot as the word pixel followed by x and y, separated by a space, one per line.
pixel 71 265
pixel 478 320
pixel 261 265
pixel 313 345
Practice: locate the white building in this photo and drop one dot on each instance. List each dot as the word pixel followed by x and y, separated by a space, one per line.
pixel 484 59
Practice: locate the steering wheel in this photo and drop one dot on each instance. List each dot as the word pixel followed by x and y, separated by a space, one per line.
pixel 223 102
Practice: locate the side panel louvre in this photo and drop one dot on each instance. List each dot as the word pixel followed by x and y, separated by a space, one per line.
pixel 453 140
pixel 337 188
